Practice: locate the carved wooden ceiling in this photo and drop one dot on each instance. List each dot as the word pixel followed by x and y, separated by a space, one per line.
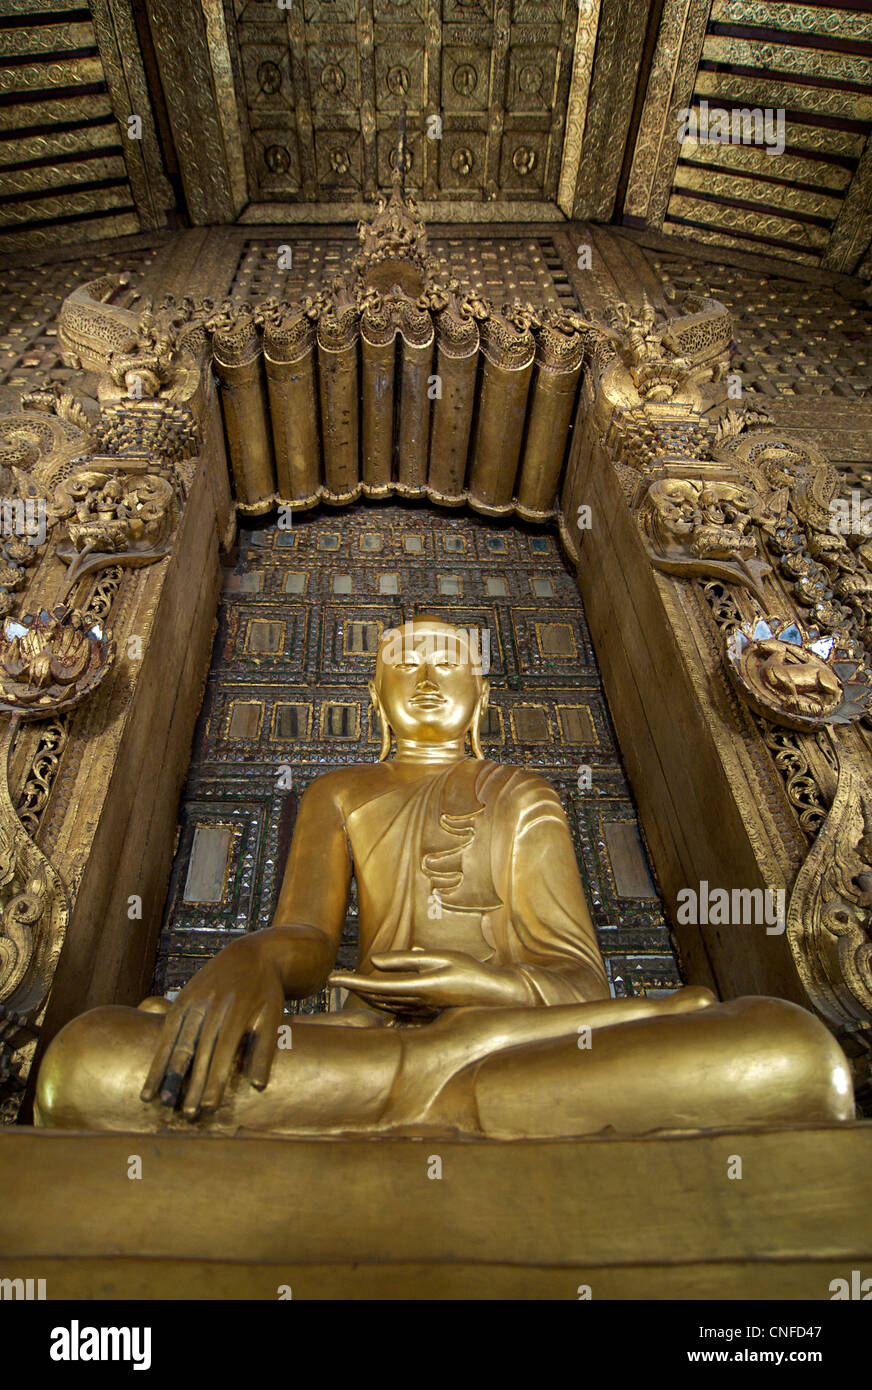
pixel 282 111
pixel 811 202
pixel 324 84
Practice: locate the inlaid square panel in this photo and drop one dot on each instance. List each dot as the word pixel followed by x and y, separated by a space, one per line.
pixel 455 545
pixel 466 78
pixel 291 722
pixel 399 76
pixel 277 161
pixel 387 154
pixel 546 639
pixel 350 631
pixel 494 545
pixel 333 80
pixel 339 159
pixel 264 636
pixel 246 719
pixel 530 724
pixel 450 584
pixel 555 639
pixel 361 639
pixel 340 721
pixel 576 724
pixel 523 158
pixel 266 73
pixel 209 865
pixel 462 159
pixel 532 73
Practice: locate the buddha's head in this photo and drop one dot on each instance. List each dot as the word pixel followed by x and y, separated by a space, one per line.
pixel 429 687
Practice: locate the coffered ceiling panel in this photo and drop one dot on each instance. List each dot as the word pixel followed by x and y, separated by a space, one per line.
pixel 485 84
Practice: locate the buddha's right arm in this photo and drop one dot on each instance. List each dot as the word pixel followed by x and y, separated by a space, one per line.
pixel 238 994
pixel 307 928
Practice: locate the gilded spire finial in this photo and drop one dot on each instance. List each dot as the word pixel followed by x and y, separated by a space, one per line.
pixel 393 243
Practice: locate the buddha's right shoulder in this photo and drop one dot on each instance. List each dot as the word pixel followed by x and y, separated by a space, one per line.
pixel 343 785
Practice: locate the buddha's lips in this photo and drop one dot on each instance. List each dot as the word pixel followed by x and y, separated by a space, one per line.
pixel 428 701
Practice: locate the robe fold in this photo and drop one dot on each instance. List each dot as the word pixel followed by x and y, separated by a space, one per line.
pixel 477 857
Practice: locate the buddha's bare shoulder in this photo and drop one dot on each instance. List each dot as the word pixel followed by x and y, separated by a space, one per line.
pixel 345 787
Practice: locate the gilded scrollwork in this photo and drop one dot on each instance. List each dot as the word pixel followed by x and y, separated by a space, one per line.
pixel 828 917
pixel 98 482
pixel 824 564
pixel 696 527
pixel 113 515
pixel 53 738
pixel 148 352
pixel 49 663
pixel 755 518
pixel 661 358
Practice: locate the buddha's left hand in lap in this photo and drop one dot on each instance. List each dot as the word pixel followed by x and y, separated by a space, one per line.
pixel 420 984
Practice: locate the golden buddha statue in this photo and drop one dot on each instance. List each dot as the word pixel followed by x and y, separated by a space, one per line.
pixel 480 1005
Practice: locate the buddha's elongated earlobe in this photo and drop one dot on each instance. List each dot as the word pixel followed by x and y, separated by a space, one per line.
pixel 385 726
pixel 478 715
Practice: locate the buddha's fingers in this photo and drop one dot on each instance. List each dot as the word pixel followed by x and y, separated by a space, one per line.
pixel 380 985
pixel 413 960
pixel 403 1004
pixel 223 1059
pixel 180 1053
pixel 172 1026
pixel 262 1048
pixel 206 1045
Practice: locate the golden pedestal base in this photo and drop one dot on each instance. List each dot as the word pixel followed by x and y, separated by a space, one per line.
pixel 655 1218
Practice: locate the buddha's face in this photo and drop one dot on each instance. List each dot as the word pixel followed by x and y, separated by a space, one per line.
pixel 428 680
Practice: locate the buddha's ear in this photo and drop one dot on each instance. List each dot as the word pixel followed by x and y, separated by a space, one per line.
pixel 385 726
pixel 477 716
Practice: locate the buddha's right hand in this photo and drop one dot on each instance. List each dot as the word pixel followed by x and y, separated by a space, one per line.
pixel 238 997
